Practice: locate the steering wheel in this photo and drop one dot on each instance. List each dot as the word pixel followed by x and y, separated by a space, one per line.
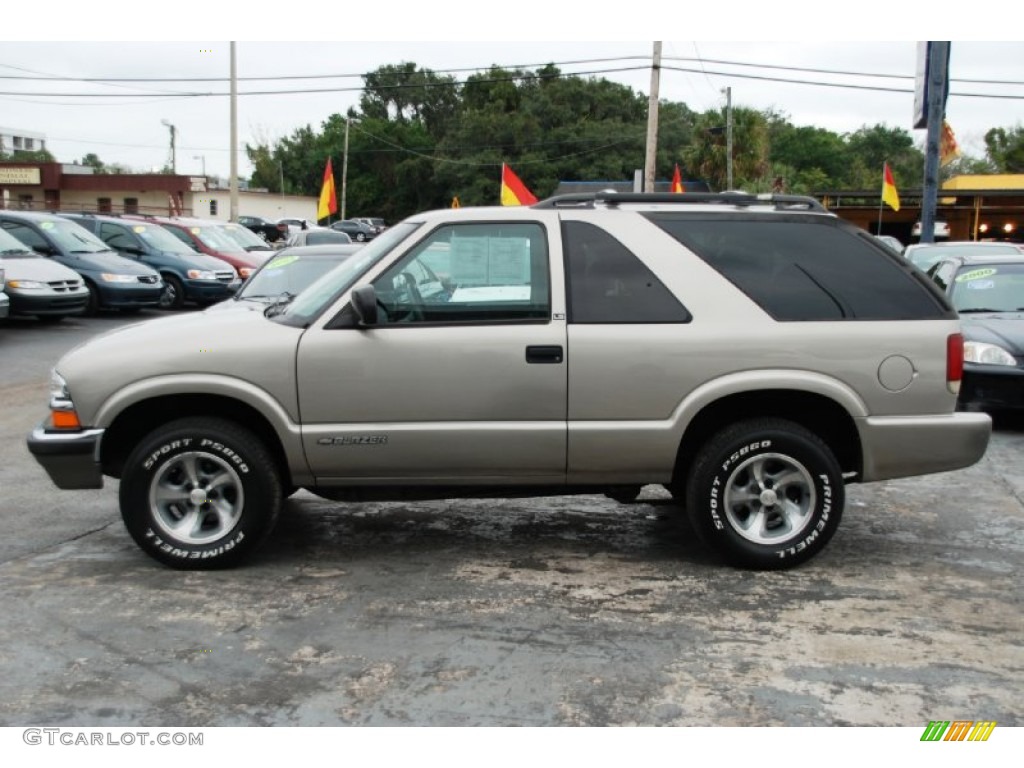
pixel 416 311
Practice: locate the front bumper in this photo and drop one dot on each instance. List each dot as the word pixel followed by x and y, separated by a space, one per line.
pixel 71 459
pixel 134 297
pixel 5 306
pixel 49 302
pixel 904 446
pixel 207 291
pixel 992 387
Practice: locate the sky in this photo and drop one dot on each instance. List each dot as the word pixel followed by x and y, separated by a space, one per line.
pixel 124 122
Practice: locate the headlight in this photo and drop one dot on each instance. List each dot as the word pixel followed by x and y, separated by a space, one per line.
pixel 58 387
pixel 62 410
pixel 26 285
pixel 111 278
pixel 988 354
pixel 201 274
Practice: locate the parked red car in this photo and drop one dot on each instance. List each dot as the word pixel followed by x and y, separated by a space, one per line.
pixel 207 236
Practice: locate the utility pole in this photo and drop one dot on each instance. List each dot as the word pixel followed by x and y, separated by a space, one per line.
pixel 233 183
pixel 174 155
pixel 728 138
pixel 650 159
pixel 938 83
pixel 344 169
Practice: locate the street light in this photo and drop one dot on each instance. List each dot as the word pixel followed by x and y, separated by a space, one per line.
pixel 174 159
pixel 203 158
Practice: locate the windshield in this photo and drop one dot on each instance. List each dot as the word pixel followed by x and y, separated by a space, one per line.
pixel 12 248
pixel 996 288
pixel 244 237
pixel 321 293
pixel 72 237
pixel 288 274
pixel 214 238
pixel 161 239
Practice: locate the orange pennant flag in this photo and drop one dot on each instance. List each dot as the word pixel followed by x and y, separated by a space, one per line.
pixel 328 197
pixel 677 181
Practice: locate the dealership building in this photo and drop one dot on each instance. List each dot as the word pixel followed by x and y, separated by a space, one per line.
pixel 69 187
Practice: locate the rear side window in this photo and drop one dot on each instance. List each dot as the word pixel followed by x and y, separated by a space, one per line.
pixel 805 268
pixel 609 284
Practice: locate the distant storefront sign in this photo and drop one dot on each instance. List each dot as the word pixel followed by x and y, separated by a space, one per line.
pixel 19 176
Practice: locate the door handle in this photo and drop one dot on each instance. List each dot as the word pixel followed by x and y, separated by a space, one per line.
pixel 544 354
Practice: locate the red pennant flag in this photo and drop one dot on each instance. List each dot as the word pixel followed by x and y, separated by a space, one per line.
pixel 889 193
pixel 328 198
pixel 677 181
pixel 513 191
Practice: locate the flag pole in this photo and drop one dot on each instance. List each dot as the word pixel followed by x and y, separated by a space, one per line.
pixel 881 201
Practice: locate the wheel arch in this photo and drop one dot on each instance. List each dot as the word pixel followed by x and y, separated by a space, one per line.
pixel 140 418
pixel 815 412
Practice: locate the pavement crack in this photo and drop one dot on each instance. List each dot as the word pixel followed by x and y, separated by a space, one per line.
pixel 62 542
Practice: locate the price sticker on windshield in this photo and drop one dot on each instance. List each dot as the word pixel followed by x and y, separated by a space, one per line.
pixel 976 274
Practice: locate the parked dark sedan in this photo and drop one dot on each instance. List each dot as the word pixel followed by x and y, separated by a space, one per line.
pixel 359 232
pixel 988 292
pixel 267 230
pixel 113 281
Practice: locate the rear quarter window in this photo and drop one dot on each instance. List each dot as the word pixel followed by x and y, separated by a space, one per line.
pixel 800 268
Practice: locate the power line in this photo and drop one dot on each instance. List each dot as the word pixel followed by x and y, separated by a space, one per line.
pixel 49 77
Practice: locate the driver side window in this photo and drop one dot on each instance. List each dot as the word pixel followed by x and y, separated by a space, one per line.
pixel 470 273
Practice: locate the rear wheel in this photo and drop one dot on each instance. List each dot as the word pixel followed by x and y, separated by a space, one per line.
pixel 765 493
pixel 200 493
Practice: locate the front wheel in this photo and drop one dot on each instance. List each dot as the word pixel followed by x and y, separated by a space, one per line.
pixel 200 493
pixel 765 493
pixel 173 296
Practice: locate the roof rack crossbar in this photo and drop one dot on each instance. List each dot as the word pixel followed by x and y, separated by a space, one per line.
pixel 590 199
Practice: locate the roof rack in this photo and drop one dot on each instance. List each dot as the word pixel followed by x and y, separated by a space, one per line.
pixel 742 199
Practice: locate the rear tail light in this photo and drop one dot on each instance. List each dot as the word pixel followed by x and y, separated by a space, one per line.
pixel 954 362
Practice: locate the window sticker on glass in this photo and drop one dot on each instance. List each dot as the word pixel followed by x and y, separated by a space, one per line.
pixel 976 274
pixel 194 230
pixel 46 225
pixel 281 261
pixel 490 261
pixel 138 229
pixel 980 285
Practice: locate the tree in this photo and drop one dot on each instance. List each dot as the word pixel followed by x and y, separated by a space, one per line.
pixel 94 162
pixel 1005 149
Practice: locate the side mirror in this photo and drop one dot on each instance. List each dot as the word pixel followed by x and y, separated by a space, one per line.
pixel 364 302
pixel 43 250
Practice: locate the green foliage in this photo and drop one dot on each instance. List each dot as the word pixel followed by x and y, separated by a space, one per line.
pixel 418 139
pixel 1005 149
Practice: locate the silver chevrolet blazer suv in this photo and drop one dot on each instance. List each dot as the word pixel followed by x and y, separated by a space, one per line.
pixel 752 354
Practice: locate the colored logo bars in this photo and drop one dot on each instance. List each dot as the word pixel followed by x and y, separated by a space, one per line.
pixel 958 730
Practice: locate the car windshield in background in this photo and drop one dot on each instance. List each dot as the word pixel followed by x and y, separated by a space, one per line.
pixel 12 248
pixel 924 257
pixel 245 237
pixel 213 238
pixel 327 238
pixel 995 288
pixel 71 237
pixel 161 239
pixel 288 274
pixel 312 301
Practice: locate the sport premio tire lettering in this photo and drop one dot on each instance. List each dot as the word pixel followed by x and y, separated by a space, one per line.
pixel 237 460
pixel 165 449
